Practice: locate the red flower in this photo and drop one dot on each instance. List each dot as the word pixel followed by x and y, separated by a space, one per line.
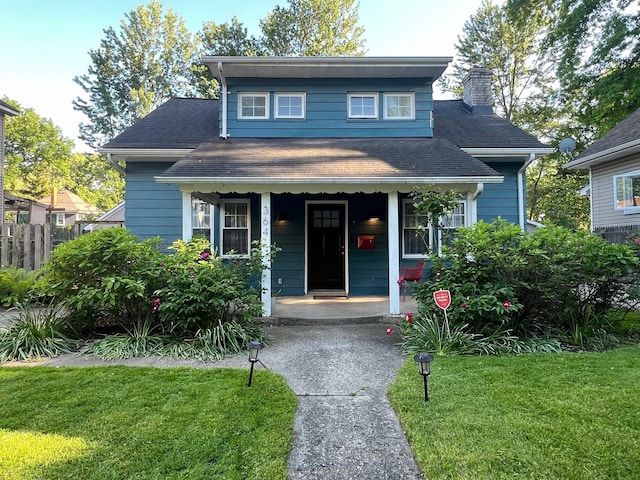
pixel 463 305
pixel 506 304
pixel 389 331
pixel 409 317
pixel 156 305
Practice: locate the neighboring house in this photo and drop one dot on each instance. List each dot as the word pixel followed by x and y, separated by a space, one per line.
pixel 319 155
pixel 613 162
pixel 5 110
pixel 67 208
pixel 24 210
pixel 111 218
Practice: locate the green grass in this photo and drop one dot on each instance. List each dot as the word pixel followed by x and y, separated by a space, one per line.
pixel 143 423
pixel 550 416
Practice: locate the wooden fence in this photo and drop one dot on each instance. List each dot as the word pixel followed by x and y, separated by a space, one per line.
pixel 29 246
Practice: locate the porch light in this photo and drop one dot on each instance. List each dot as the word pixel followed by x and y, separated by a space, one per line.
pixel 254 348
pixel 424 363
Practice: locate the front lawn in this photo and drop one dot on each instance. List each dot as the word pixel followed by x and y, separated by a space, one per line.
pixel 143 423
pixel 569 416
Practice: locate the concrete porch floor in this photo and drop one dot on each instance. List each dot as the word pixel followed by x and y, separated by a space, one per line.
pixel 307 310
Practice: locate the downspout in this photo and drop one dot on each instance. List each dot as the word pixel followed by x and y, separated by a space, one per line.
pixel 115 164
pixel 521 199
pixel 223 83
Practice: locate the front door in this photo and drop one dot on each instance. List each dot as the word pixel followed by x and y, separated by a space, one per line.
pixel 326 246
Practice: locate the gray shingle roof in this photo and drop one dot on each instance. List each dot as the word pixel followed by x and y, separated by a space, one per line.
pixel 452 122
pixel 626 131
pixel 177 123
pixel 328 157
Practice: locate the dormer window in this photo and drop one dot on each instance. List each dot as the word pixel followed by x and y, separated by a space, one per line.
pixel 399 106
pixel 363 105
pixel 253 106
pixel 290 105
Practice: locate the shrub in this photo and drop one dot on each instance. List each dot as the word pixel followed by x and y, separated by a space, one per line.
pixel 38 332
pixel 15 286
pixel 106 275
pixel 503 279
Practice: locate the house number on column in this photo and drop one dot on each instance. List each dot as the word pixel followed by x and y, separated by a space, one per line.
pixel 265 221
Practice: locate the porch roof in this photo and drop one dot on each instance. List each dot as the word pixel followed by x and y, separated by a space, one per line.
pixel 329 160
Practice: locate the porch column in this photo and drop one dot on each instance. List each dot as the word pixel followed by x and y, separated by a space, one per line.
pixel 187 230
pixel 265 242
pixel 394 252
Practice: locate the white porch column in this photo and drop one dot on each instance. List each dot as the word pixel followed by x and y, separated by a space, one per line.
pixel 394 252
pixel 265 242
pixel 187 230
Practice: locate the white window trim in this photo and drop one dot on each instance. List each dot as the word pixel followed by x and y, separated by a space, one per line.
pixel 411 95
pixel 264 95
pixel 223 204
pixel 279 95
pixel 429 231
pixel 60 219
pixel 625 210
pixel 374 95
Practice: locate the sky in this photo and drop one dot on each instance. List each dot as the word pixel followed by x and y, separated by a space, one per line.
pixel 44 44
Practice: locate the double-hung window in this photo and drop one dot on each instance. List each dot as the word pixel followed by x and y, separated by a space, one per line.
pixel 253 106
pixel 200 218
pixel 399 106
pixel 235 226
pixel 290 105
pixel 451 222
pixel 363 105
pixel 626 188
pixel 416 232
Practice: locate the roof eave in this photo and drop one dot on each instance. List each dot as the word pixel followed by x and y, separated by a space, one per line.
pixel 507 152
pixel 613 153
pixel 332 180
pixel 123 153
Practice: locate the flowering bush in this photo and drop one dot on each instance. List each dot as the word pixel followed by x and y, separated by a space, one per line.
pixel 555 280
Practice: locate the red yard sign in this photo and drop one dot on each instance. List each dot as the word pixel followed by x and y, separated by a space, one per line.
pixel 442 298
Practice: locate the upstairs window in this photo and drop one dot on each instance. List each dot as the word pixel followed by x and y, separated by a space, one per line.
pixel 235 228
pixel 253 105
pixel 627 191
pixel 363 105
pixel 399 106
pixel 290 105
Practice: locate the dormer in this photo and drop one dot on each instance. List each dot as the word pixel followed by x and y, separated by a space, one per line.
pixel 305 97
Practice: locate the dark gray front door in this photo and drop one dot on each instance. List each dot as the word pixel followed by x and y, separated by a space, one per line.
pixel 326 246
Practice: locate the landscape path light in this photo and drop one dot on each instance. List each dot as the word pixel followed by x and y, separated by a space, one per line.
pixel 424 363
pixel 254 348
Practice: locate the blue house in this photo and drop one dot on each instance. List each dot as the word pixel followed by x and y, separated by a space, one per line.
pixel 319 155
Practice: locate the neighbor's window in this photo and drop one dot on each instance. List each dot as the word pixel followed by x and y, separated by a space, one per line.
pixel 290 105
pixel 60 219
pixel 363 105
pixel 451 222
pixel 200 218
pixel 235 227
pixel 253 105
pixel 399 106
pixel 416 232
pixel 627 190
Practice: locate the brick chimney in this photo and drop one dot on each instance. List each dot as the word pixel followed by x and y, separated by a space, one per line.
pixel 54 197
pixel 477 95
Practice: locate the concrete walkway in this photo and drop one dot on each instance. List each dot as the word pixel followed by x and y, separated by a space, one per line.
pixel 345 428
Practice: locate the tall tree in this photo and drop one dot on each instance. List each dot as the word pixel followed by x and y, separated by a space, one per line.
pixel 134 70
pixel 231 39
pixel 95 180
pixel 597 43
pixel 313 28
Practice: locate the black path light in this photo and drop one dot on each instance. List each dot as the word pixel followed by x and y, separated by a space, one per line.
pixel 424 362
pixel 254 348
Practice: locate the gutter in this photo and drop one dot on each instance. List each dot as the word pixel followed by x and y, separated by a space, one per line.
pixel 521 199
pixel 115 164
pixel 223 82
pixel 613 153
pixel 335 180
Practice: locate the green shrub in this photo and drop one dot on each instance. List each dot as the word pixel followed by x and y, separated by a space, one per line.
pixel 554 280
pixel 16 286
pixel 105 276
pixel 38 332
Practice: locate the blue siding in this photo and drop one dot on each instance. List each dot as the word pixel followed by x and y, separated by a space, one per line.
pixel 152 209
pixel 501 199
pixel 326 109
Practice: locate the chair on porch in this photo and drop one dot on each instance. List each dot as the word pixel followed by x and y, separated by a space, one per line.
pixel 410 274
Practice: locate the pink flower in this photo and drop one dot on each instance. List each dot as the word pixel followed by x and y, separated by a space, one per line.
pixel 235 262
pixel 506 304
pixel 205 255
pixel 156 305
pixel 636 240
pixel 389 331
pixel 463 305
pixel 409 317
